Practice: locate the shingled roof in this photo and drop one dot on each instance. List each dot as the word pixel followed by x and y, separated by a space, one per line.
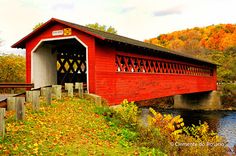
pixel 109 37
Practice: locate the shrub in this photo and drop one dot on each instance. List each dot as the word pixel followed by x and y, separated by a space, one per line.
pixel 128 112
pixel 175 138
pixel 128 137
pixel 167 124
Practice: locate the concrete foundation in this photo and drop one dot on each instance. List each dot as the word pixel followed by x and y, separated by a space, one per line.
pixel 96 98
pixel 198 101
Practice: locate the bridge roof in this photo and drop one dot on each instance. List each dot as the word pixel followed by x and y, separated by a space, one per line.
pixel 108 37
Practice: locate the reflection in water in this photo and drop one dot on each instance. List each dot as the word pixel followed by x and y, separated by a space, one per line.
pixel 196 117
pixel 223 122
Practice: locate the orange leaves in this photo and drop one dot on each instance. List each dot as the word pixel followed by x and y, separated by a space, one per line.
pixel 9 113
pixel 214 37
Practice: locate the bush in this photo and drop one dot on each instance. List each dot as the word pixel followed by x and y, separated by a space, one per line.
pixel 128 137
pixel 128 112
pixel 175 138
pixel 165 132
pixel 167 124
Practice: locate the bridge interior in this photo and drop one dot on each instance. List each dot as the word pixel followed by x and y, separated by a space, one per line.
pixel 59 62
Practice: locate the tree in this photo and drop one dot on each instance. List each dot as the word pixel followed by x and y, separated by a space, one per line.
pixel 216 43
pixel 12 68
pixel 37 25
pixel 97 26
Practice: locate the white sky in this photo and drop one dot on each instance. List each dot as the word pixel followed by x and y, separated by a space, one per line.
pixel 138 19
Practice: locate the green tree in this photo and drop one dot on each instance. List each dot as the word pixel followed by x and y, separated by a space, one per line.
pixel 37 25
pixel 105 28
pixel 226 71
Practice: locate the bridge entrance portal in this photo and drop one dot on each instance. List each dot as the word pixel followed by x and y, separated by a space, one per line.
pixel 59 61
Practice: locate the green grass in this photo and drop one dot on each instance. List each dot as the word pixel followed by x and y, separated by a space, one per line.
pixel 70 126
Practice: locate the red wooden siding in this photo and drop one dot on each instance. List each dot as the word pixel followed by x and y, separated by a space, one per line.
pixel 115 86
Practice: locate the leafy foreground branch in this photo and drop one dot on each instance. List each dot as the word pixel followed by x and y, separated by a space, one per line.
pixel 78 127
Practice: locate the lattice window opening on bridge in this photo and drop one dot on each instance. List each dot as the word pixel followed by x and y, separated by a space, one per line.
pixel 67 65
pixel 141 65
pixel 71 62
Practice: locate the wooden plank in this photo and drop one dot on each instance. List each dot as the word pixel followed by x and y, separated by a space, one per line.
pixel 11 103
pixel 35 101
pixel 69 88
pixel 20 108
pixel 16 85
pixel 48 95
pixel 79 86
pixel 57 91
pixel 43 92
pixel 2 122
pixel 29 96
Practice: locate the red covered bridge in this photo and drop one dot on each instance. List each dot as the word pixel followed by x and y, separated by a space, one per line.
pixel 112 66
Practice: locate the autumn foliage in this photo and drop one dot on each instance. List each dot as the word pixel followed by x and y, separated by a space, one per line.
pixel 216 43
pixel 12 68
pixel 214 37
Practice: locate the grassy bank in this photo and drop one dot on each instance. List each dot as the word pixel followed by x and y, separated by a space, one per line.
pixel 69 127
pixel 75 126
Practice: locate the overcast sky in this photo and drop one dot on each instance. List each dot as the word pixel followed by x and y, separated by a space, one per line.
pixel 138 19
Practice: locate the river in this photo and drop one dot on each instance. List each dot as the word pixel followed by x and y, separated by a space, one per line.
pixel 222 122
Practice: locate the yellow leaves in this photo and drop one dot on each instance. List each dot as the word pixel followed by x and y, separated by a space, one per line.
pixel 128 112
pixel 167 117
pixel 54 130
pixel 10 113
pixel 15 147
pixel 167 123
pixel 176 132
pixel 99 143
pixel 12 68
pixel 14 127
pixel 203 128
pixel 153 111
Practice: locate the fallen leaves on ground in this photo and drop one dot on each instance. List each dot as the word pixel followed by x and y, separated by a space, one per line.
pixel 67 127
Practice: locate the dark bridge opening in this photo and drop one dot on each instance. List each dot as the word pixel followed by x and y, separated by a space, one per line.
pixel 71 61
